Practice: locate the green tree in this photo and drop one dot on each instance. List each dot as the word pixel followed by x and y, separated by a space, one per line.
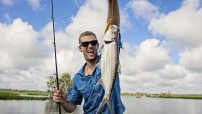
pixel 65 82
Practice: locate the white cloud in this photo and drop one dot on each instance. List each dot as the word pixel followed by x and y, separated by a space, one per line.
pixel 182 25
pixel 78 3
pixel 191 59
pixel 147 68
pixel 91 16
pixel 143 9
pixel 7 16
pixel 194 79
pixel 149 65
pixel 151 56
pixel 29 61
pixel 21 53
pixel 35 4
pixel 15 37
pixel 172 72
pixel 142 58
pixel 125 20
pixel 28 55
pixel 8 2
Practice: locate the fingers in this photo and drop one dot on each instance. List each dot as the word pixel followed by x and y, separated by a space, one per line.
pixel 61 91
pixel 63 94
pixel 57 96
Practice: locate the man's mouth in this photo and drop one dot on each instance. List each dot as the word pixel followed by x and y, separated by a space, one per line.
pixel 90 51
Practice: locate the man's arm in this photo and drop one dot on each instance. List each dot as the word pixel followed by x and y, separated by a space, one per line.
pixel 60 97
pixel 68 106
pixel 113 12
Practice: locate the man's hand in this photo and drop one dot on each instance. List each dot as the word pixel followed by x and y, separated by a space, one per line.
pixel 113 12
pixel 59 96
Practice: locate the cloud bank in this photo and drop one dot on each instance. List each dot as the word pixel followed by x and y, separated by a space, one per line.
pixel 28 56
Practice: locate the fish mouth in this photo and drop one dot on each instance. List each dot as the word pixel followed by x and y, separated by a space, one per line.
pixel 107 42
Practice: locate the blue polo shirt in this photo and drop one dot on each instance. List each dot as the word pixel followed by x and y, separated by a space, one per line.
pixel 84 87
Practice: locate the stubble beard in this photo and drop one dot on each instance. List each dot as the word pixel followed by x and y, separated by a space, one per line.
pixel 91 59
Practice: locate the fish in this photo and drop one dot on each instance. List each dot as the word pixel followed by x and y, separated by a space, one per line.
pixel 109 64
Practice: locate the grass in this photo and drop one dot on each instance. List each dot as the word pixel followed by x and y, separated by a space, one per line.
pixel 15 95
pixel 186 96
pixel 179 96
pixel 166 95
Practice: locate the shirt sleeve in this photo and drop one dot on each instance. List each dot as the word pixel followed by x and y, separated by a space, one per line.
pixel 73 95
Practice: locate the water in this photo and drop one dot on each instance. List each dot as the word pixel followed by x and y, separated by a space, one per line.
pixel 133 106
pixel 161 106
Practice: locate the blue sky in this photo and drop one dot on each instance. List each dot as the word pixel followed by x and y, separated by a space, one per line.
pixel 161 38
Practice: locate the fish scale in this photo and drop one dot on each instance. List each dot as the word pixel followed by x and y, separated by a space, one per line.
pixel 109 64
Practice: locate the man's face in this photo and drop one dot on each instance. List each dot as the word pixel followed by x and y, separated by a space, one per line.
pixel 89 46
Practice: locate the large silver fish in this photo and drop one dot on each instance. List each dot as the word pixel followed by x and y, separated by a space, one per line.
pixel 109 64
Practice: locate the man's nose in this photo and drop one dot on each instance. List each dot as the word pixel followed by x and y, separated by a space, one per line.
pixel 90 45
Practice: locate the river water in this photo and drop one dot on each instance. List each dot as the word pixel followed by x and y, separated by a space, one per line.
pixel 133 106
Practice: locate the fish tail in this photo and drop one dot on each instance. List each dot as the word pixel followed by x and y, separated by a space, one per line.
pixel 104 101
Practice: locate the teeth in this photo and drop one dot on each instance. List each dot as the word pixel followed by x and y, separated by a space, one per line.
pixel 90 51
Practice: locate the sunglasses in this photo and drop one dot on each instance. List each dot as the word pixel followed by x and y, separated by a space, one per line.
pixel 85 44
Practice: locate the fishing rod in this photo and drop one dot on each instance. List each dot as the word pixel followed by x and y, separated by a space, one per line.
pixel 55 52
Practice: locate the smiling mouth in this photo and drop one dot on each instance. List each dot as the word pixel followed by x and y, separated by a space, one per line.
pixel 90 51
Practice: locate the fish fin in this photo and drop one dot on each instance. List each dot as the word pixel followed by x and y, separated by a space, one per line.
pixel 109 104
pixel 110 107
pixel 101 105
pixel 98 64
pixel 101 49
pixel 119 68
pixel 100 82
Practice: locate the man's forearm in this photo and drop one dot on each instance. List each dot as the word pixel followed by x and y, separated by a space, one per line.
pixel 113 12
pixel 68 106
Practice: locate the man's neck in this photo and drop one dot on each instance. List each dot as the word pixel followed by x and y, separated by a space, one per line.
pixel 90 66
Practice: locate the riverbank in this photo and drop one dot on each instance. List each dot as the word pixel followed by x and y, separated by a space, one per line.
pixel 165 95
pixel 13 94
pixel 180 96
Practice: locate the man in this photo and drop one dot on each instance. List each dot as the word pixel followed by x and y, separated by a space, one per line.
pixel 85 81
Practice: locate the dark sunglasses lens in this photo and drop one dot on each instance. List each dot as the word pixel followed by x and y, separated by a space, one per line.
pixel 93 43
pixel 84 44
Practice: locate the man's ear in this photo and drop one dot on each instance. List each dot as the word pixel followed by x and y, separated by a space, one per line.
pixel 97 45
pixel 79 47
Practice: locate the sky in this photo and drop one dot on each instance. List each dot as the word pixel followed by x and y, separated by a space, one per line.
pixel 162 42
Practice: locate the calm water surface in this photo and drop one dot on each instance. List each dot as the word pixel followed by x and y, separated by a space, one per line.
pixel 133 106
pixel 161 106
